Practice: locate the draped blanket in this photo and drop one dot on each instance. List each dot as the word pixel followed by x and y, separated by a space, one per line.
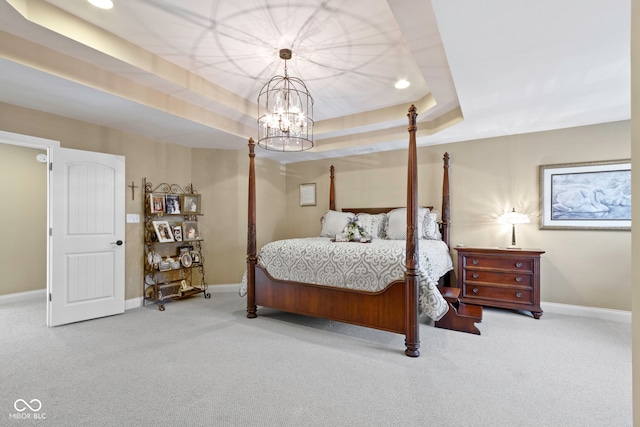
pixel 363 266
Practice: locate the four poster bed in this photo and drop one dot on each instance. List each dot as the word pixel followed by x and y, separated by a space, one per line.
pixel 383 284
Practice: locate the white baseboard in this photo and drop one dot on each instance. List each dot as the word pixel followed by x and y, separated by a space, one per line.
pixel 23 296
pixel 582 311
pixel 548 307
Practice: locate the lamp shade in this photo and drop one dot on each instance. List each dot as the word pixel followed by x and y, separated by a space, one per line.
pixel 514 217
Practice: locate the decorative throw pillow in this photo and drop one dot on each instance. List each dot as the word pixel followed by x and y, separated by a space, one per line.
pixel 431 227
pixel 333 222
pixel 372 224
pixel 397 223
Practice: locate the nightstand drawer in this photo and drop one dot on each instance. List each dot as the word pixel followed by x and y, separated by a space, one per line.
pixel 524 279
pixel 518 264
pixel 518 296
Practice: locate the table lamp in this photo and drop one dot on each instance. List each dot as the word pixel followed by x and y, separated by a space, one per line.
pixel 514 218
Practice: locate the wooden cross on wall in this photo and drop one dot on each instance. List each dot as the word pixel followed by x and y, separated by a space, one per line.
pixel 133 187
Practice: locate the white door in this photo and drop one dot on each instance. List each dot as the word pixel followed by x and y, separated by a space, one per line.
pixel 87 254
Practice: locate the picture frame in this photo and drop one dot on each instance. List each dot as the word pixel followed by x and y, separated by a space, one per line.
pixel 163 231
pixel 191 204
pixel 190 231
pixel 172 204
pixel 308 194
pixel 195 256
pixel 586 196
pixel 177 232
pixel 156 203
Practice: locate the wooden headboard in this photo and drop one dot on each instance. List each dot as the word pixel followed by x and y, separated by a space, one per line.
pixel 374 211
pixel 446 212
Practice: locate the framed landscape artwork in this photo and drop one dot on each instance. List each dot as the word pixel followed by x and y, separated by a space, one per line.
pixel 586 196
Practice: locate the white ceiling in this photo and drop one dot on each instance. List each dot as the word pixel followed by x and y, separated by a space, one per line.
pixel 189 72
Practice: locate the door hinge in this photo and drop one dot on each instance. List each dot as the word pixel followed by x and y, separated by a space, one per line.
pixel 50 166
pixel 49 296
pixel 50 231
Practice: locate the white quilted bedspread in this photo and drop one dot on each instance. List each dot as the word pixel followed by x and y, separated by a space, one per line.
pixel 365 266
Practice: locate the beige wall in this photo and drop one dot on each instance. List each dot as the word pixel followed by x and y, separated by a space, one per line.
pixel 589 268
pixel 489 177
pixel 23 220
pixel 219 175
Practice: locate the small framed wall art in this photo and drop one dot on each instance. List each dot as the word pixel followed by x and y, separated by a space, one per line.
pixel 308 194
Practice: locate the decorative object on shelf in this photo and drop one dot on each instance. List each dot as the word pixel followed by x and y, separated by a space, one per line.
pixel 191 204
pixel 156 203
pixel 190 230
pixel 173 269
pixel 586 196
pixel 514 218
pixel 172 204
pixel 153 258
pixel 163 231
pixel 285 113
pixel 185 259
pixel 177 232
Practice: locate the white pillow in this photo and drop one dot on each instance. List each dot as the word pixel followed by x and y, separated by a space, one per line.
pixel 333 222
pixel 397 223
pixel 373 225
pixel 431 227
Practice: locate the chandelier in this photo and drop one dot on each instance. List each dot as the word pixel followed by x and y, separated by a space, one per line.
pixel 285 113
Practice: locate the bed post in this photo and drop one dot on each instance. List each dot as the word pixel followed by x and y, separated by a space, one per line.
pixel 446 212
pixel 412 331
pixel 332 190
pixel 251 235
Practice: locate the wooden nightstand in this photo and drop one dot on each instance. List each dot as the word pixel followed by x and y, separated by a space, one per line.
pixel 500 277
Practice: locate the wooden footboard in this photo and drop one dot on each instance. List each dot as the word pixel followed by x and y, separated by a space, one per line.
pixel 380 310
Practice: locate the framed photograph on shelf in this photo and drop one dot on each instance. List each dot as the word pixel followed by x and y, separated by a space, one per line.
pixel 195 256
pixel 172 204
pixel 586 196
pixel 308 194
pixel 191 204
pixel 156 203
pixel 177 232
pixel 190 230
pixel 163 231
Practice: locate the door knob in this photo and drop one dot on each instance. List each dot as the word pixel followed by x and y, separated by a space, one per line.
pixel 119 243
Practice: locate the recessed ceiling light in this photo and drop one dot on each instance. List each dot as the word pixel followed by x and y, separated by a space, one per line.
pixel 402 84
pixel 102 4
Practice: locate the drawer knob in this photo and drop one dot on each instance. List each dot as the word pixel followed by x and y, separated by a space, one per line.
pixel 475 275
pixel 518 279
pixel 475 290
pixel 518 294
pixel 518 264
pixel 475 262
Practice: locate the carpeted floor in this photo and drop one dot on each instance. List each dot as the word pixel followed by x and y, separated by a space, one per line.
pixel 203 363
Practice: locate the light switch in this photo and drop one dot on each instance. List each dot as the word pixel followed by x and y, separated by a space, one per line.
pixel 133 218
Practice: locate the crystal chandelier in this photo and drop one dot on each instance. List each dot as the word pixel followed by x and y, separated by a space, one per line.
pixel 285 113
